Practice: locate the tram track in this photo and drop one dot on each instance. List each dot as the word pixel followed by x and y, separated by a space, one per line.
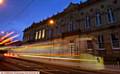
pixel 70 70
pixel 52 69
pixel 18 64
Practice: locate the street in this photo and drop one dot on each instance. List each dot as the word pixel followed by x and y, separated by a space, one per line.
pixel 15 64
pixel 60 36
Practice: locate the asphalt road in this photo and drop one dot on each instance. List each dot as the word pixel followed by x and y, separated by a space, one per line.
pixel 14 64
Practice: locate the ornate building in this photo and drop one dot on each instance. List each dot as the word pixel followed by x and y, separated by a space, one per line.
pixel 99 19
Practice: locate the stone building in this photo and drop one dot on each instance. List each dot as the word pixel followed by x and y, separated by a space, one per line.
pixel 98 19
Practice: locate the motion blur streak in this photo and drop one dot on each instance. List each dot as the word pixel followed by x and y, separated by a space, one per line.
pixel 11 42
pixel 6 36
pixel 7 40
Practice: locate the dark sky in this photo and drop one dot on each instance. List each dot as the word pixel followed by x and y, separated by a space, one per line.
pixel 16 15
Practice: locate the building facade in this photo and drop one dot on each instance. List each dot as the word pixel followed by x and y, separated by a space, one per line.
pixel 99 19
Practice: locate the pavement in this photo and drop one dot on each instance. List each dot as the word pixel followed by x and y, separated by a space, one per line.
pixel 16 64
pixel 111 68
pixel 47 67
pixel 66 62
pixel 115 68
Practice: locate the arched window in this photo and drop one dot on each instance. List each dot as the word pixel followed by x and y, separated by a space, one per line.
pixel 43 33
pixel 87 22
pixel 36 36
pixel 110 15
pixel 115 40
pixel 101 41
pixel 40 34
pixel 98 19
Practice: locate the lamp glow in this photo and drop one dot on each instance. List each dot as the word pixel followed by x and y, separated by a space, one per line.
pixel 51 22
pixel 1 2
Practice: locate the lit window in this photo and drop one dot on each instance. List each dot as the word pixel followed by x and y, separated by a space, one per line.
pixel 36 36
pixel 40 34
pixel 87 22
pixel 101 41
pixel 115 40
pixel 110 14
pixel 43 33
pixel 98 19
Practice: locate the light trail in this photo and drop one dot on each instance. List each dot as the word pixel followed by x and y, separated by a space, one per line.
pixel 7 40
pixel 11 42
pixel 6 36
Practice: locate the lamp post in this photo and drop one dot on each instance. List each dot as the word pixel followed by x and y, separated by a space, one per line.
pixel 1 2
pixel 51 24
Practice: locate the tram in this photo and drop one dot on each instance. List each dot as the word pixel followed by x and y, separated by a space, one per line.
pixel 83 49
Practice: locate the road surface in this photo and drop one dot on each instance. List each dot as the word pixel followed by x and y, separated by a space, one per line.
pixel 14 64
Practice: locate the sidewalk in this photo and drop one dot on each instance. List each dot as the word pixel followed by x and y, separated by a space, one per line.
pixel 88 65
pixel 115 68
pixel 68 62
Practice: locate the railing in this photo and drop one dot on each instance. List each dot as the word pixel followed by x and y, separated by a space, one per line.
pixel 112 62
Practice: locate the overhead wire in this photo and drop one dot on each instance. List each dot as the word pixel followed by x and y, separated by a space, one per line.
pixel 20 12
pixel 10 21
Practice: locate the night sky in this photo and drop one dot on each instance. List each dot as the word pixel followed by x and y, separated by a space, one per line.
pixel 16 15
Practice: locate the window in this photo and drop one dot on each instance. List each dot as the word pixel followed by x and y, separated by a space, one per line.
pixel 115 40
pixel 102 6
pixel 55 32
pixel 59 30
pixel 43 33
pixel 91 10
pixel 115 1
pixel 110 15
pixel 30 37
pixel 49 33
pixel 27 37
pixel 69 27
pixel 36 36
pixel 40 34
pixel 87 22
pixel 98 19
pixel 101 41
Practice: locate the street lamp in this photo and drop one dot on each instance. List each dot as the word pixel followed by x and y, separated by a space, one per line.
pixel 1 2
pixel 51 23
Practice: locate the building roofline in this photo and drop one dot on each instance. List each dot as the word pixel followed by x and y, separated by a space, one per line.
pixel 76 6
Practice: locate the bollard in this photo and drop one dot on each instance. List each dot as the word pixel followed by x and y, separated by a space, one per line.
pixel 118 64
